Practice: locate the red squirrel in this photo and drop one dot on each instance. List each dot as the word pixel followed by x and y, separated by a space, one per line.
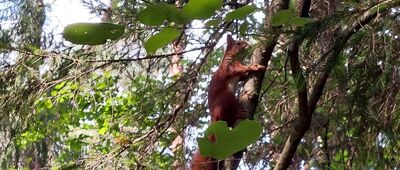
pixel 222 102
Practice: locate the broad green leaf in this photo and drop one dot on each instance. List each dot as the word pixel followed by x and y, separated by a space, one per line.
pixel 155 14
pixel 92 33
pixel 76 144
pixel 228 141
pixel 29 137
pixel 161 39
pixel 299 21
pixel 32 48
pixel 22 143
pixel 101 85
pixel 48 103
pixel 243 28
pixel 103 130
pixel 213 22
pixel 289 17
pixel 175 15
pixel 240 13
pixel 201 9
pixel 53 93
pixel 4 45
pixel 282 17
pixel 59 85
pixel 107 74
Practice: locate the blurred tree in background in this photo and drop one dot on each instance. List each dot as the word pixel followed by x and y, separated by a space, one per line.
pixel 328 99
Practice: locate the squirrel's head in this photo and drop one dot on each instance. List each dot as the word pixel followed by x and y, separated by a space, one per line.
pixel 234 47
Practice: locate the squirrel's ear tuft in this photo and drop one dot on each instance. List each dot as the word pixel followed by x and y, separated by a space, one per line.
pixel 230 41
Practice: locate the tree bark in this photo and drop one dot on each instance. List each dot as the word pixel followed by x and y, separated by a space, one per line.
pixel 249 97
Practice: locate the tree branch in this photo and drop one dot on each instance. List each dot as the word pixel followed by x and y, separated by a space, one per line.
pixel 147 57
pixel 304 120
pixel 343 37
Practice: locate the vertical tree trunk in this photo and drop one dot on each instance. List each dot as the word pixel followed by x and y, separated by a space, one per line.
pixel 175 68
pixel 261 55
pixel 31 31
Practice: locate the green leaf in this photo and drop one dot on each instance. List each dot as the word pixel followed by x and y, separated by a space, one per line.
pixel 53 93
pixel 282 17
pixel 101 85
pixel 107 74
pixel 161 39
pixel 201 9
pixel 29 137
pixel 32 48
pixel 103 130
pixel 59 85
pixel 155 14
pixel 299 21
pixel 4 45
pixel 243 28
pixel 92 33
pixel 176 15
pixel 240 13
pixel 213 22
pixel 76 144
pixel 48 103
pixel 228 141
pixel 289 17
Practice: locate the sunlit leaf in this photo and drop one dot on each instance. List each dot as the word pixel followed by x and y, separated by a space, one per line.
pixel 101 85
pixel 92 33
pixel 76 144
pixel 175 15
pixel 282 17
pixel 300 21
pixel 201 9
pixel 53 93
pixel 213 22
pixel 48 104
pixel 240 13
pixel 60 85
pixel 155 14
pixel 161 39
pixel 103 130
pixel 229 141
pixel 288 17
pixel 243 28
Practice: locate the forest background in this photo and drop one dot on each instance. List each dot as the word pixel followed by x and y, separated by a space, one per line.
pixel 327 100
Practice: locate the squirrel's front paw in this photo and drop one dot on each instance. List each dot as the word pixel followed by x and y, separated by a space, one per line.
pixel 257 67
